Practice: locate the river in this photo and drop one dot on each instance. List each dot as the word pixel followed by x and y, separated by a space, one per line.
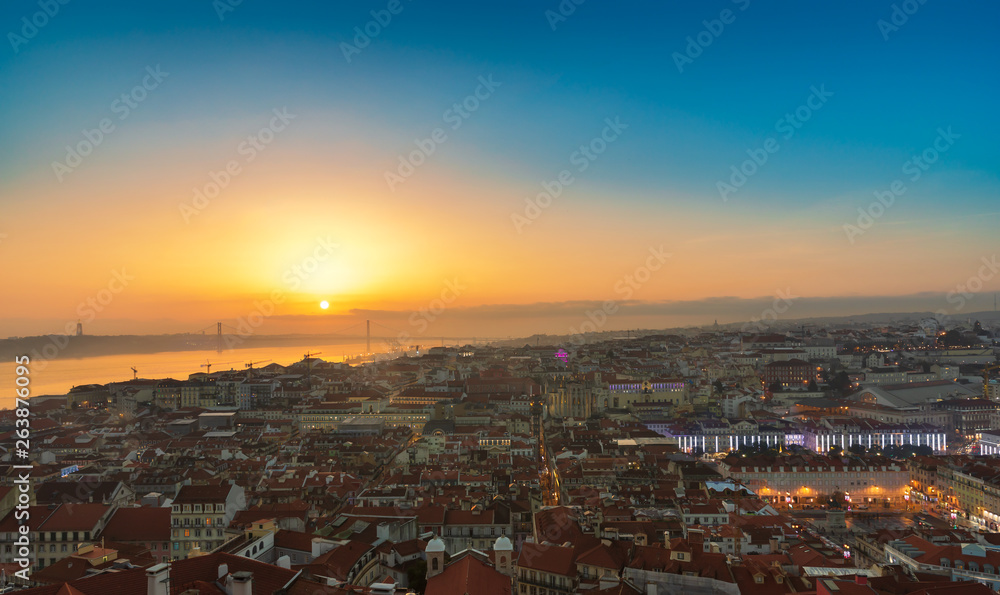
pixel 57 376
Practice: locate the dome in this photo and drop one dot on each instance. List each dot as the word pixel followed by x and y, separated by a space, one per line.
pixel 435 545
pixel 503 544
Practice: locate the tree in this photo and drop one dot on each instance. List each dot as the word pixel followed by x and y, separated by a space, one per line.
pixel 952 338
pixel 416 576
pixel 841 381
pixel 857 449
pixel 717 385
pixel 812 386
pixel 775 387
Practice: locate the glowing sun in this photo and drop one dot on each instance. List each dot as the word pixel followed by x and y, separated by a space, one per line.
pixel 324 304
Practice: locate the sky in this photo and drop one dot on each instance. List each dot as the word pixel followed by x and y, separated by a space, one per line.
pixel 493 167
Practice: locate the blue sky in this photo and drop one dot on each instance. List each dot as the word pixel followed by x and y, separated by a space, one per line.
pixel 892 91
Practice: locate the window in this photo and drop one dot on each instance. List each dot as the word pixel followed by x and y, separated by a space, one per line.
pixel 187 532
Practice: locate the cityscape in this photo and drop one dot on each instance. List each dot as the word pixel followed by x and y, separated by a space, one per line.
pixel 499 298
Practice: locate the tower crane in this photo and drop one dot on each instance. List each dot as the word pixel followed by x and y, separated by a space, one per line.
pixel 208 365
pixel 249 366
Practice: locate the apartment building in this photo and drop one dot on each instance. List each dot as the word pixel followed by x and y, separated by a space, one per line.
pixel 200 515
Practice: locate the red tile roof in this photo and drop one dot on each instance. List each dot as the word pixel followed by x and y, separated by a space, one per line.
pixel 75 517
pixel 138 524
pixel 183 574
pixel 553 559
pixel 471 576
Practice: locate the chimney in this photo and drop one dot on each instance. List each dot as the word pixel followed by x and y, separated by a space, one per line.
pixel 861 579
pixel 243 583
pixel 158 580
pixel 223 570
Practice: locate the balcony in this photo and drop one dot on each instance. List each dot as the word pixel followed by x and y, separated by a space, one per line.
pixel 545 584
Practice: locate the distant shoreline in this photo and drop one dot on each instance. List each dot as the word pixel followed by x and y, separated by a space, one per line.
pixel 87 346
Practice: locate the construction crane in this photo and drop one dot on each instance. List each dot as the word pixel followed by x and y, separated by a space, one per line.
pixel 249 367
pixel 308 361
pixel 986 381
pixel 208 365
pixel 135 373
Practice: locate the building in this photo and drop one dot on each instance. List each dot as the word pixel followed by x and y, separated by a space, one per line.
pixel 911 395
pixel 55 533
pixel 811 480
pixel 628 395
pixel 572 399
pixel 200 515
pixel 147 527
pixel 790 373
pixel 972 416
pixel 545 568
pixel 967 562
pixel 254 393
